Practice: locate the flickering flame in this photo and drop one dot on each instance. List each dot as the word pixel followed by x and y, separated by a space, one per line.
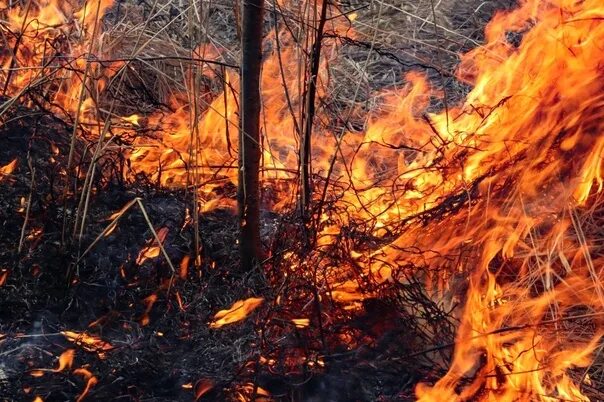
pixel 91 381
pixel 237 312
pixel 149 302
pixel 65 363
pixel 133 119
pixel 152 251
pixel 65 360
pixel 147 253
pixel 184 267
pixel 502 343
pixel 202 387
pixel 3 276
pixel 246 393
pixel 504 171
pixel 7 169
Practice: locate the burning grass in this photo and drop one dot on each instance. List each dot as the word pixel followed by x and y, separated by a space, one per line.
pixel 453 250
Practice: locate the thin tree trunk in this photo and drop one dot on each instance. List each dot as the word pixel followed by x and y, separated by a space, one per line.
pixel 248 193
pixel 305 146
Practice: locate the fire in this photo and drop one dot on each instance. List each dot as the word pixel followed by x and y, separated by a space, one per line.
pixel 184 267
pixel 488 190
pixel 133 119
pixel 3 276
pixel 301 322
pixel 65 363
pixel 250 392
pixel 202 387
pixel 89 343
pixel 91 381
pixel 8 169
pixel 237 312
pixel 149 302
pixel 65 360
pixel 542 138
pixel 153 250
pixel 147 253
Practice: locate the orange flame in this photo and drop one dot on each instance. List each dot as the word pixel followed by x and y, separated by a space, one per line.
pixel 91 381
pixel 65 360
pixel 149 302
pixel 153 250
pixel 8 169
pixel 147 253
pixel 202 387
pixel 3 276
pixel 246 391
pixel 184 267
pixel 237 312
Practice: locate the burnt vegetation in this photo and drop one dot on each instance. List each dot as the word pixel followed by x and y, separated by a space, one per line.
pixel 128 267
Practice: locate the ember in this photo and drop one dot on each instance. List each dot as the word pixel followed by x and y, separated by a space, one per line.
pixel 416 218
pixel 88 342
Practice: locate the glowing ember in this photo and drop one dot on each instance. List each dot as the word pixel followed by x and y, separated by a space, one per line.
pixel 237 312
pixel 301 322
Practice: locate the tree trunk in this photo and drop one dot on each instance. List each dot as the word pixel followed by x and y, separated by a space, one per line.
pixel 305 146
pixel 248 193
